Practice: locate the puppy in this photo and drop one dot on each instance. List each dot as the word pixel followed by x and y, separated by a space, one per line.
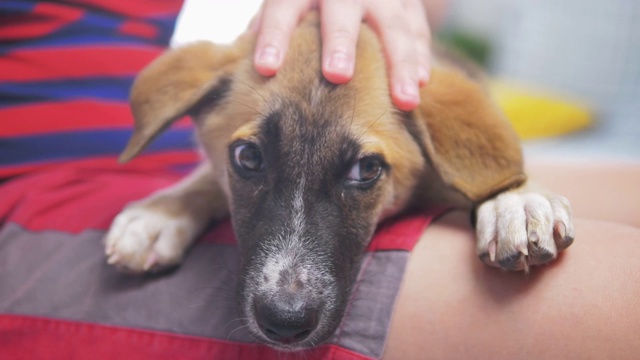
pixel 307 169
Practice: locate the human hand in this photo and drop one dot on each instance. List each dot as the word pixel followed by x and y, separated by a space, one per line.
pixel 401 25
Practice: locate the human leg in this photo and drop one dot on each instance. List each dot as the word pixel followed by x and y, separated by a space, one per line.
pixel 584 305
pixel 606 191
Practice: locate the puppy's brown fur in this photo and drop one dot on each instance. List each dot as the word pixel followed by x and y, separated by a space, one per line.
pixel 301 219
pixel 463 136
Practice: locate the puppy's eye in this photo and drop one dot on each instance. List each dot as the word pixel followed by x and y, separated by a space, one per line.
pixel 366 170
pixel 248 157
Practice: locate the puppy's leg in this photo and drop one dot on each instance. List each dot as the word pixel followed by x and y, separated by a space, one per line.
pixel 154 233
pixel 522 227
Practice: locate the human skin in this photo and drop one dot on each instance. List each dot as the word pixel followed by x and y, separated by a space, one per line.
pixel 402 25
pixel 585 305
pixel 598 190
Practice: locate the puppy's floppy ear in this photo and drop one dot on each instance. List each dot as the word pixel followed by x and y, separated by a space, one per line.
pixel 174 83
pixel 465 137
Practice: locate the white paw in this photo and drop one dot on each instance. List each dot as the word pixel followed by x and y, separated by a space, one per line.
pixel 517 229
pixel 146 240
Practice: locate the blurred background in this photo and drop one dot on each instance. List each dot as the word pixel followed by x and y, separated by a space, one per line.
pixel 566 72
pixel 582 52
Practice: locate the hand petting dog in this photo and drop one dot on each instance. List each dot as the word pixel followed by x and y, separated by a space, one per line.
pixel 402 27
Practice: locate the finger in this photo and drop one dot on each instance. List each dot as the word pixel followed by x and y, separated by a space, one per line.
pixel 400 50
pixel 340 26
pixel 279 19
pixel 256 20
pixel 418 19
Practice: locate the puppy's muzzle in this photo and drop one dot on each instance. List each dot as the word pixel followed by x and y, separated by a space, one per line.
pixel 286 317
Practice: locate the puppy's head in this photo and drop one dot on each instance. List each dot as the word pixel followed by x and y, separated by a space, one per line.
pixel 310 168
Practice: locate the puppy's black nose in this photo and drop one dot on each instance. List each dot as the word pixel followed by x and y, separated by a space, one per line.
pixel 285 319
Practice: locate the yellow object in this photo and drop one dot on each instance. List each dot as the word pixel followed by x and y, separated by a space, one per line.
pixel 536 114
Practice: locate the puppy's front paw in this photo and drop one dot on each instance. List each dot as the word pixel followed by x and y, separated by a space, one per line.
pixel 146 240
pixel 517 229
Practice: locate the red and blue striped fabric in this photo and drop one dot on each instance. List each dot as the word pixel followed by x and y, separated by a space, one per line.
pixel 65 72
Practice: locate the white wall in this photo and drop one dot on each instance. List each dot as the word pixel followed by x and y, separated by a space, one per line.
pixel 220 21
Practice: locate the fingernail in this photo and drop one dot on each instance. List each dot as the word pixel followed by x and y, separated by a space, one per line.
pixel 409 90
pixel 269 56
pixel 406 95
pixel 339 62
pixel 423 74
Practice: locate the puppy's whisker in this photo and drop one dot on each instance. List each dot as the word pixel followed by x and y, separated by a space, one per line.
pixel 236 329
pixel 306 354
pixel 248 85
pixel 235 320
pixel 371 125
pixel 353 110
pixel 222 288
pixel 220 300
pixel 357 316
pixel 227 301
pixel 256 110
pixel 313 341
pixel 231 273
pixel 302 354
pixel 377 275
pixel 255 91
pixel 219 285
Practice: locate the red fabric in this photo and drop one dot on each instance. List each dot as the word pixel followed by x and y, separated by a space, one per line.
pixel 66 70
pixel 137 8
pixel 151 162
pixel 44 19
pixel 53 63
pixel 402 233
pixel 139 28
pixel 26 337
pixel 68 116
pixel 73 197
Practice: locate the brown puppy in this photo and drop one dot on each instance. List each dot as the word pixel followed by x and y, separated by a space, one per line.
pixel 307 169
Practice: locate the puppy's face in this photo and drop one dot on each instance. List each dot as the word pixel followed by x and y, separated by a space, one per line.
pixel 305 198
pixel 310 168
pixel 309 174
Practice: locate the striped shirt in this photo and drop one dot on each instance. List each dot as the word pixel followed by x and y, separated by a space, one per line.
pixel 65 72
